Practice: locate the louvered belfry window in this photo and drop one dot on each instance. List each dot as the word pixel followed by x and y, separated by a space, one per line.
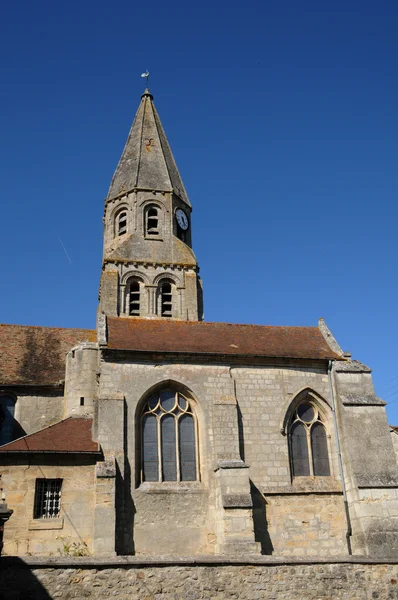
pixel 168 439
pixel 121 223
pixel 308 442
pixel 47 499
pixel 166 299
pixel 134 298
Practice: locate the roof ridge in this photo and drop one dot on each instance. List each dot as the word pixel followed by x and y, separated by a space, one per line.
pixel 216 323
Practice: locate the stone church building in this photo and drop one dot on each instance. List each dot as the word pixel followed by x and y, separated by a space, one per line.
pixel 160 434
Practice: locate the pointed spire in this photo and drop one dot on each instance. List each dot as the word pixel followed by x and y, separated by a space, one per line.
pixel 147 162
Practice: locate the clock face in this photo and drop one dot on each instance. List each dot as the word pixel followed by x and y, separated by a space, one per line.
pixel 182 219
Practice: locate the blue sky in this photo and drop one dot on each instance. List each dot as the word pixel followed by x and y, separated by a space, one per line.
pixel 282 117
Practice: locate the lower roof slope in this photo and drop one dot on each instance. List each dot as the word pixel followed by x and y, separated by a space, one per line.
pixel 200 337
pixel 74 434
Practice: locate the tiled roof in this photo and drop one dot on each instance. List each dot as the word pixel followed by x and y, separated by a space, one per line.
pixel 158 335
pixel 36 355
pixel 71 435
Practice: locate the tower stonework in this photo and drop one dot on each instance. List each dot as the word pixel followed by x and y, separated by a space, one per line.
pixel 149 268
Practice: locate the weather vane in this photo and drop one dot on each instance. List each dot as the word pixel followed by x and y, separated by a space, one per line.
pixel 146 75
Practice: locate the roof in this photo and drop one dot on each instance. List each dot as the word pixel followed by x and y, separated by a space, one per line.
pixel 36 355
pixel 198 337
pixel 147 161
pixel 74 434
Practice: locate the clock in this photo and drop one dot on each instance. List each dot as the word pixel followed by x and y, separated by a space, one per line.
pixel 182 219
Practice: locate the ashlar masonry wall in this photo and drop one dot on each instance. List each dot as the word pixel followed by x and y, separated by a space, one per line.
pixel 25 535
pixel 241 412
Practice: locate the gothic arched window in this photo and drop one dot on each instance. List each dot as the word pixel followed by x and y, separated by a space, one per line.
pixel 121 223
pixel 165 298
pixel 7 407
pixel 168 434
pixel 308 442
pixel 152 221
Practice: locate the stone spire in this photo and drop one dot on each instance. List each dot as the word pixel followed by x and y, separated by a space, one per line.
pixel 147 162
pixel 149 269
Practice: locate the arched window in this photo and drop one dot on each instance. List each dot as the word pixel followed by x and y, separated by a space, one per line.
pixel 7 407
pixel 152 221
pixel 168 434
pixel 308 442
pixel 165 298
pixel 134 298
pixel 121 223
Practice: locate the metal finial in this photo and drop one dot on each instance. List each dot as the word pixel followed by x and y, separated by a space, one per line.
pixel 146 75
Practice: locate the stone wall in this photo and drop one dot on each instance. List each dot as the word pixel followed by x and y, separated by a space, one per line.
pixel 37 411
pixel 198 579
pixel 241 413
pixel 25 535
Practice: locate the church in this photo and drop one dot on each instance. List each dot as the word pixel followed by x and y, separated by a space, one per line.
pixel 160 434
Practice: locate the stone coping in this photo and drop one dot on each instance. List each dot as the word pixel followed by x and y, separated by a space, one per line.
pixel 115 562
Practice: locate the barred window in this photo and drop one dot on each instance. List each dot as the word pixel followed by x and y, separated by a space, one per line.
pixel 47 499
pixel 308 442
pixel 168 429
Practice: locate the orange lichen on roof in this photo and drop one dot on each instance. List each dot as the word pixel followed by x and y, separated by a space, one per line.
pixel 198 337
pixel 36 355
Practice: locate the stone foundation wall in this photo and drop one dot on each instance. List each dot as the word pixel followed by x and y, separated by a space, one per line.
pixel 127 578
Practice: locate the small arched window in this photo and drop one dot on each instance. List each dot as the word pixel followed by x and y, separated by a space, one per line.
pixel 308 442
pixel 134 298
pixel 168 434
pixel 166 298
pixel 121 223
pixel 152 221
pixel 7 407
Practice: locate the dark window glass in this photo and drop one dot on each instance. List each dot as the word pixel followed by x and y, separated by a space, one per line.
pixel 306 412
pixel 7 408
pixel 167 400
pixel 187 448
pixel 134 300
pixel 150 448
pixel 319 446
pixel 169 464
pixel 161 441
pixel 299 446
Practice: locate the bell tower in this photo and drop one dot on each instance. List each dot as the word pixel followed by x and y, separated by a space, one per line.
pixel 149 269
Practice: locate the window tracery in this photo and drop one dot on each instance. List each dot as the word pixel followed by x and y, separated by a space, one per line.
pixel 168 434
pixel 308 441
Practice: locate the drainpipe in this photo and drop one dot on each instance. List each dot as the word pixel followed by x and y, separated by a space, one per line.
pixel 336 432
